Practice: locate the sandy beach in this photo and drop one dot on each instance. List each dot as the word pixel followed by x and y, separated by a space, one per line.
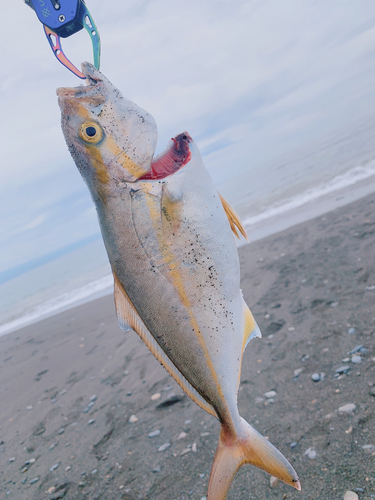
pixel 86 412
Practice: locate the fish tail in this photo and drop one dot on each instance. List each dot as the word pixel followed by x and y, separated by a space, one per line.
pixel 246 446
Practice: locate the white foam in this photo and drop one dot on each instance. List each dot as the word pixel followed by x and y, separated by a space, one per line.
pixel 339 182
pixel 85 293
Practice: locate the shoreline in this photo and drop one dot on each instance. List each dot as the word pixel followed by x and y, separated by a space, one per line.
pixel 70 385
pixel 262 229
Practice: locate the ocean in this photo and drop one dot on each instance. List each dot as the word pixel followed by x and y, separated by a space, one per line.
pixel 305 183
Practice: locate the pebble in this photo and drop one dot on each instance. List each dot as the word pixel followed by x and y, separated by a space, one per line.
pixel 91 421
pixel 194 448
pixel 372 391
pixel 204 434
pixel 350 495
pixel 315 377
pixel 204 498
pixel 368 447
pixel 274 481
pixel 51 490
pixel 356 359
pixel 182 435
pixel 351 331
pixel 311 453
pixel 94 471
pixel 61 431
pixel 342 369
pixel 67 468
pixel 83 473
pixel 298 372
pixel 356 349
pixel 370 287
pixel 156 469
pixel 35 480
pixel 54 467
pixel 156 396
pixel 154 433
pixel 133 419
pixel 82 484
pixel 305 357
pixel 334 304
pixel 29 407
pixel 164 446
pixel 13 459
pixel 31 461
pixel 184 451
pixel 88 407
pixel 270 394
pixel 187 422
pixel 349 408
pixel 93 398
pixel 294 444
pixel 52 446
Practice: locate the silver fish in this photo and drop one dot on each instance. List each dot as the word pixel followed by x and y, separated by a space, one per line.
pixel 169 238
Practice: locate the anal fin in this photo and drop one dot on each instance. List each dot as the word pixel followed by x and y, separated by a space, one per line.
pixel 234 220
pixel 128 318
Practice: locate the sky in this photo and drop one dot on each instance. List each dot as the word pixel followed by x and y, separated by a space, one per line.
pixel 249 80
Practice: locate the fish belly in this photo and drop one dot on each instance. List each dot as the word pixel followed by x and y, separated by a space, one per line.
pixel 172 249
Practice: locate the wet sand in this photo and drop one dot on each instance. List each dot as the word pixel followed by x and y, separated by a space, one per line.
pixel 70 384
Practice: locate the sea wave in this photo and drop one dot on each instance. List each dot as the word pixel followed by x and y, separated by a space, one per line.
pixel 349 178
pixel 66 300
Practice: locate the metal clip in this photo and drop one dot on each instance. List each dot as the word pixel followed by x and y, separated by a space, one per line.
pixel 63 18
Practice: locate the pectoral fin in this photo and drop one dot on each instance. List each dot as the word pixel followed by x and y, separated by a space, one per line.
pixel 234 220
pixel 251 329
pixel 128 318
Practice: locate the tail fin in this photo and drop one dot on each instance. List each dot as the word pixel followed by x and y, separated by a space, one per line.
pixel 247 447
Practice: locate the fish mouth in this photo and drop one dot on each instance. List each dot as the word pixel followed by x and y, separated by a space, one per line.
pixel 94 88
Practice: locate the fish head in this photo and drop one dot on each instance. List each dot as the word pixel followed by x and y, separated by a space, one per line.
pixel 111 139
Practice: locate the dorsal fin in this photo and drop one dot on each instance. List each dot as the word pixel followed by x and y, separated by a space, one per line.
pixel 234 220
pixel 128 318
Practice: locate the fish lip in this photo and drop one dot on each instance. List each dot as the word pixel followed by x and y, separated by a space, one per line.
pixel 93 78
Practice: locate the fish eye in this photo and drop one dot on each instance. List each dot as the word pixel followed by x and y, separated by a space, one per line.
pixel 91 132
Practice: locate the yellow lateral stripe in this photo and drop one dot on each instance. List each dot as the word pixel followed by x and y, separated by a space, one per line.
pixel 233 218
pixel 154 207
pixel 127 313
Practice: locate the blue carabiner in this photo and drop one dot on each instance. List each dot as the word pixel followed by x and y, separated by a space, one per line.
pixel 63 18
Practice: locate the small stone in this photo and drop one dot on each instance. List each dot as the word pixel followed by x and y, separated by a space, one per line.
pixel 315 377
pixel 29 407
pixel 52 446
pixel 156 469
pixel 294 444
pixel 356 359
pixel 133 419
pixel 370 287
pixel 298 372
pixel 83 473
pixel 51 490
pixel 67 468
pixel 311 453
pixel 305 357
pixel 194 448
pixel 274 481
pixel 342 369
pixel 61 431
pixel 129 393
pixel 372 391
pixel 187 422
pixel 349 408
pixel 54 467
pixel 94 471
pixel 182 435
pixel 12 459
pixel 53 400
pixel 35 480
pixel 25 469
pixel 270 394
pixel 351 331
pixel 291 328
pixel 184 451
pixel 356 349
pixel 345 360
pixel 369 448
pixel 203 498
pixel 154 433
pixel 156 396
pixel 91 421
pixel 259 400
pixel 164 446
pixel 93 398
pixel 350 495
pixel 81 484
pixel 204 434
pixel 334 304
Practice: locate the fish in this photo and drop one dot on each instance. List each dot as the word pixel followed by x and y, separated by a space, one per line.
pixel 170 239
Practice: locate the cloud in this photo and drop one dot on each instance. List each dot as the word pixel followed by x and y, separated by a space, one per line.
pixel 248 79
